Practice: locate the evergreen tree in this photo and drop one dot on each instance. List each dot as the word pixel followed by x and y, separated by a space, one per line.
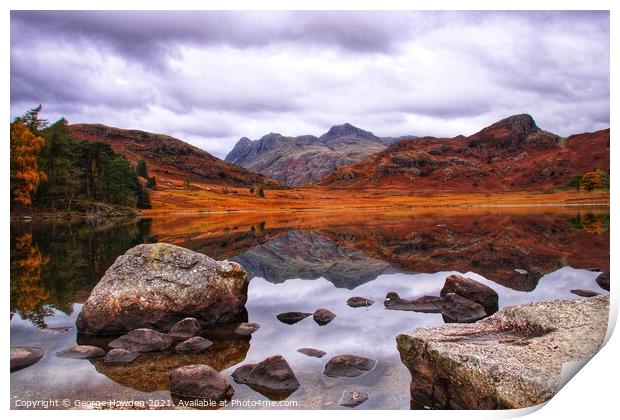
pixel 141 169
pixel 57 161
pixel 32 121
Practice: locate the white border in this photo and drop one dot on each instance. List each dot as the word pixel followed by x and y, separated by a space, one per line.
pixel 591 395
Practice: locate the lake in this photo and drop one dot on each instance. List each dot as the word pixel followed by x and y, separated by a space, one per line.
pixel 297 261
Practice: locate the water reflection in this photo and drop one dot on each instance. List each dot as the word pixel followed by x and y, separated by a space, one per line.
pixel 150 371
pixel 54 265
pixel 298 263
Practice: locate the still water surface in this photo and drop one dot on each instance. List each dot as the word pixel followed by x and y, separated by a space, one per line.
pixel 296 263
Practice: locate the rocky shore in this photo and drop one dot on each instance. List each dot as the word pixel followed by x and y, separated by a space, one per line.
pixel 512 359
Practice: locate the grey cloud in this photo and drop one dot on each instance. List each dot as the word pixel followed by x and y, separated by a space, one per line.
pixel 213 77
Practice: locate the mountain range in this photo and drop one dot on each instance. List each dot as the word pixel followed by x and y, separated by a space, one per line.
pixel 512 154
pixel 305 159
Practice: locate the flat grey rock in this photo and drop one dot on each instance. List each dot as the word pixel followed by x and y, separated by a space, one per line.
pixel 120 356
pixel 143 340
pixel 247 328
pixel 81 352
pixel 308 351
pixel 358 302
pixel 292 317
pixel 352 398
pixel 22 357
pixel 348 366
pixel 193 345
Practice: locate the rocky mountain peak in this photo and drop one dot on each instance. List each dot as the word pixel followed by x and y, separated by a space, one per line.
pixel 519 126
pixel 347 130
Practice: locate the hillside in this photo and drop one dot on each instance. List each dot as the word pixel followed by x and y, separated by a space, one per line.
pixel 512 154
pixel 305 159
pixel 169 158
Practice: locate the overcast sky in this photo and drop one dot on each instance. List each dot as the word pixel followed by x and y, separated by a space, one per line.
pixel 212 77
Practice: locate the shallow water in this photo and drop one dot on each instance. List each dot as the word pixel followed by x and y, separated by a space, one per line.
pixel 296 264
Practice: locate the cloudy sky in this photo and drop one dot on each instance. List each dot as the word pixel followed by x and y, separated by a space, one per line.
pixel 212 77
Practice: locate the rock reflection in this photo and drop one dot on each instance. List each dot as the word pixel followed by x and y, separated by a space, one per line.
pixel 150 371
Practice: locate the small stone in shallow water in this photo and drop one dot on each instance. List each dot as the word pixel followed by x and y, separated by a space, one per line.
pixel 199 381
pixel 273 377
pixel 308 351
pixel 358 301
pixel 81 352
pixel 349 366
pixel 323 316
pixel 115 356
pixel 22 357
pixel 292 317
pixel 143 340
pixel 247 328
pixel 352 398
pixel 193 345
pixel 584 292
pixel 185 328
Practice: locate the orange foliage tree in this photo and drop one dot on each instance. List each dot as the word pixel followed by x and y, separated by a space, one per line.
pixel 25 173
pixel 591 181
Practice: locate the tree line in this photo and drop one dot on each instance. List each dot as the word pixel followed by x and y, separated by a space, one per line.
pixel 52 171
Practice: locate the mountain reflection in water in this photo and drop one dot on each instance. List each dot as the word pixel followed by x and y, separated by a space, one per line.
pixel 297 262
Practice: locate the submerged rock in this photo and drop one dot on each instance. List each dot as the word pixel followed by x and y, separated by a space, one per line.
pixel 357 302
pixel 349 366
pixel 81 352
pixel 292 317
pixel 143 340
pixel 584 292
pixel 193 345
pixel 352 398
pixel 512 359
pixel 156 285
pixel 273 377
pixel 603 280
pixel 247 328
pixel 472 290
pixel 22 357
pixel 199 382
pixel 117 356
pixel 308 351
pixel 185 328
pixel 323 316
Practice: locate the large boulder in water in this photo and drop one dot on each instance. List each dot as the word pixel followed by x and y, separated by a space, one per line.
pixel 513 359
pixel 156 285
